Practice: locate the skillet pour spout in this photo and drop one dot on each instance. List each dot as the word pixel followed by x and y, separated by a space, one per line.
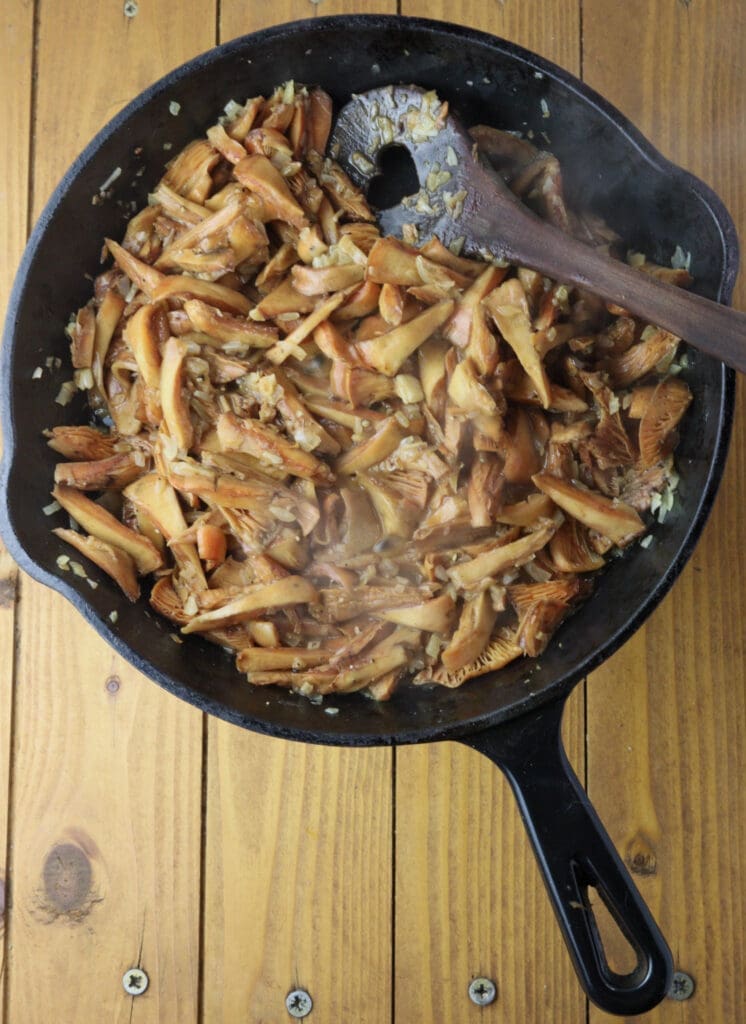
pixel 512 716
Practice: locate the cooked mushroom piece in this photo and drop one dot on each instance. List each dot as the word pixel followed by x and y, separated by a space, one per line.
pixel 113 560
pixel 609 516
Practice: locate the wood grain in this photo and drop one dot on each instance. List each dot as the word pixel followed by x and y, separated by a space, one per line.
pixel 236 19
pixel 105 813
pixel 298 879
pixel 298 884
pixel 16 43
pixel 666 717
pixel 469 898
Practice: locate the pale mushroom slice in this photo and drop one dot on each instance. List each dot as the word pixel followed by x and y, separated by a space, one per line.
pixel 113 560
pixel 81 443
pixel 381 444
pixel 397 512
pixel 641 359
pixel 322 280
pixel 501 649
pixel 468 393
pixel 182 286
pixel 268 445
pixel 434 616
pixel 174 403
pixel 458 330
pixel 111 473
pixel 668 403
pixel 256 601
pixel 108 316
pixel 338 187
pixel 257 173
pixel 483 567
pixel 106 527
pixel 340 605
pixel 319 123
pixel 267 659
pixel 541 607
pixel 165 600
pixel 189 173
pixel 82 334
pixel 389 351
pixel 472 635
pixel 508 307
pixel 357 386
pixel 291 345
pixel 570 551
pixel 145 277
pixel 610 517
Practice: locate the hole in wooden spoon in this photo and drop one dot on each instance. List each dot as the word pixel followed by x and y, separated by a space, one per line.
pixel 397 178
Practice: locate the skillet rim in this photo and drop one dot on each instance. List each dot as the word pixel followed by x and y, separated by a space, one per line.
pixel 368 736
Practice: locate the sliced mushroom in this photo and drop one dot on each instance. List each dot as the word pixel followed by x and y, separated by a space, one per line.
pixel 610 517
pixel 111 473
pixel 256 599
pixel 434 616
pixel 472 635
pixel 258 173
pixel 499 652
pixel 667 405
pixel 382 443
pixel 499 559
pixel 174 403
pixel 508 307
pixel 268 445
pixel 113 560
pixel 106 527
pixel 388 352
pixel 570 550
pixel 81 444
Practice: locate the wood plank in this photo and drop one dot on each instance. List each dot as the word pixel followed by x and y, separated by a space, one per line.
pixel 298 879
pixel 469 899
pixel 106 803
pixel 313 827
pixel 666 759
pixel 16 43
pixel 237 19
pixel 551 29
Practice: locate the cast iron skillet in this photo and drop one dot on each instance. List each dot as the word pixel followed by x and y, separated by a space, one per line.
pixel 514 716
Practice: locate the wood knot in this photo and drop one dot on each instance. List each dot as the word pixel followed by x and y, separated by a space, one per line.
pixel 67 878
pixel 640 856
pixel 7 591
pixel 113 683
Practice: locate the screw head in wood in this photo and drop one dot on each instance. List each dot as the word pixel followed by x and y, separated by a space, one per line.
pixel 298 1003
pixel 135 981
pixel 482 991
pixel 682 986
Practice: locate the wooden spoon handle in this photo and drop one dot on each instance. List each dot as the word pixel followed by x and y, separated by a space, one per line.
pixel 712 328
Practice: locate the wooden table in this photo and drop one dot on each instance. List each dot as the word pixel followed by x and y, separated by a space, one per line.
pixel 233 867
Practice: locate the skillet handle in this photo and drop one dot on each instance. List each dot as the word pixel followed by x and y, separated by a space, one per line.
pixel 574 853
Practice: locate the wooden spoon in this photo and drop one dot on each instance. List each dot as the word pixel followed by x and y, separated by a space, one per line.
pixel 475 204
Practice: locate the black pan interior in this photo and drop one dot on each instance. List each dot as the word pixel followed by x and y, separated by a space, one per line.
pixel 606 164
